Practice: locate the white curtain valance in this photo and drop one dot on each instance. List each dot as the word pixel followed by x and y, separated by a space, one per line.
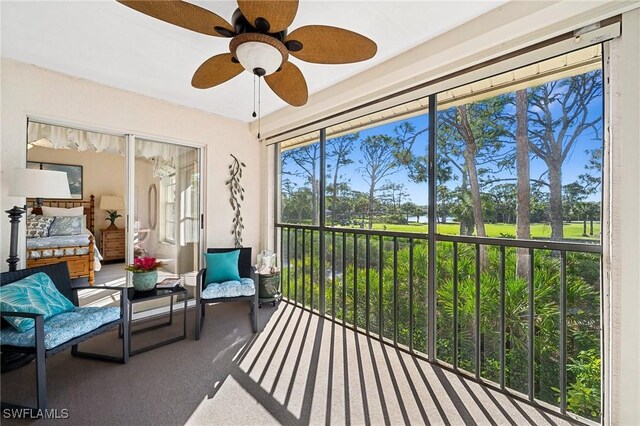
pixel 57 137
pixel 80 140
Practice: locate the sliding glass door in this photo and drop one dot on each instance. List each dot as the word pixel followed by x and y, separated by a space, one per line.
pixel 166 207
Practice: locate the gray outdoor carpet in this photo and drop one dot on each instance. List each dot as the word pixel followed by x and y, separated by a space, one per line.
pixel 299 370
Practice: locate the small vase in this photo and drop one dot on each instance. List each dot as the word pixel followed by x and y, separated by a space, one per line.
pixel 144 281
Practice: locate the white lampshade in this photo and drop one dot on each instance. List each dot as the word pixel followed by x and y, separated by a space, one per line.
pixel 111 202
pixel 255 54
pixel 34 183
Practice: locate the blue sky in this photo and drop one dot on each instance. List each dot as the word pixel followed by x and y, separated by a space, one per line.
pixel 572 167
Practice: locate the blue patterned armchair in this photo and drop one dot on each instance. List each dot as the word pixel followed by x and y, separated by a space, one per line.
pixel 60 331
pixel 231 291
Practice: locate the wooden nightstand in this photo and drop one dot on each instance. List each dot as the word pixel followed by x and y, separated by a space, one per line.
pixel 112 244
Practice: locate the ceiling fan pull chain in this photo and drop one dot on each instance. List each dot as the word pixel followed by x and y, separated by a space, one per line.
pixel 259 109
pixel 254 97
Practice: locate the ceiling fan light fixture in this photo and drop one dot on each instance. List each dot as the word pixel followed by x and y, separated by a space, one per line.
pixel 259 54
pixel 259 58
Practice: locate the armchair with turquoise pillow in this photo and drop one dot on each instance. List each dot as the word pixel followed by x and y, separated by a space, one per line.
pixel 41 317
pixel 34 294
pixel 229 276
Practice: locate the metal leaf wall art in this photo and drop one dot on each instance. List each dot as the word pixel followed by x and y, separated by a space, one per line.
pixel 236 192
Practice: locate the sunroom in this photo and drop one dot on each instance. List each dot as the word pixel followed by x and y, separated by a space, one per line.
pixel 455 228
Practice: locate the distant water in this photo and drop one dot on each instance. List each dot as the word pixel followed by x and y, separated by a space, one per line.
pixel 423 219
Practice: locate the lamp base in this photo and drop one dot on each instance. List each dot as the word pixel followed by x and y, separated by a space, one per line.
pixel 112 227
pixel 14 215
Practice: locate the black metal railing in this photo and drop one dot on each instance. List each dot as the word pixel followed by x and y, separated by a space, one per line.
pixel 377 282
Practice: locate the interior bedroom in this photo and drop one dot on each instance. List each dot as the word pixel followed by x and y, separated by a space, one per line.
pixel 95 245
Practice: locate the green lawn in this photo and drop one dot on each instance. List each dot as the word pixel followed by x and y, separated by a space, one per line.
pixel 538 230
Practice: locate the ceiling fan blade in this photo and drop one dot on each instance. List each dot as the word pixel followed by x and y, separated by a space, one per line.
pixel 289 84
pixel 323 44
pixel 183 14
pixel 215 70
pixel 278 14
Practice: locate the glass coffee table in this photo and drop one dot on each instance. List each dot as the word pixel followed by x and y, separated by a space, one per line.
pixel 136 297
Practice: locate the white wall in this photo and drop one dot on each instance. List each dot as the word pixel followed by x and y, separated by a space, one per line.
pixel 622 241
pixel 49 96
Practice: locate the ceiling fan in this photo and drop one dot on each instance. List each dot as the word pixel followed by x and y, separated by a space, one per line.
pixel 261 44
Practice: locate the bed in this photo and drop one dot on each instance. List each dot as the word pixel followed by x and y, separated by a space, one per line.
pixel 79 251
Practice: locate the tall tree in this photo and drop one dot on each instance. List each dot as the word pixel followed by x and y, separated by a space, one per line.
pixel 340 208
pixel 470 151
pixel 561 112
pixel 287 190
pixel 338 151
pixel 305 161
pixel 573 196
pixel 394 194
pixel 446 199
pixel 523 197
pixel 475 132
pixel 592 179
pixel 411 209
pixel 504 202
pixel 298 206
pixel 378 161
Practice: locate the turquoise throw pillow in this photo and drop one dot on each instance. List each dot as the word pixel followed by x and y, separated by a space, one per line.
pixel 35 294
pixel 222 267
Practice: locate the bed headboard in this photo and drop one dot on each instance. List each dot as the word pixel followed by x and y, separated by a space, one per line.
pixel 89 208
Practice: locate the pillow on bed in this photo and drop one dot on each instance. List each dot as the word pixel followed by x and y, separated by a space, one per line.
pixel 61 211
pixel 38 226
pixel 66 225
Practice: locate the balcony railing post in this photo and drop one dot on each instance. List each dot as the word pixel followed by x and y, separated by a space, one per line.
pixel 478 319
pixel 367 283
pixel 411 295
pixel 531 324
pixel 289 263
pixel 455 305
pixel 333 274
pixel 311 257
pixel 395 290
pixel 355 280
pixel 503 333
pixel 322 221
pixel 282 260
pixel 304 267
pixel 295 265
pixel 380 284
pixel 563 332
pixel 344 278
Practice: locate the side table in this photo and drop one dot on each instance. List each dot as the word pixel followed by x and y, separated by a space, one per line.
pixel 112 244
pixel 269 288
pixel 145 296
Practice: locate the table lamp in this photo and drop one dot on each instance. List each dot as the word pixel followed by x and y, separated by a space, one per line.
pixel 32 183
pixel 112 203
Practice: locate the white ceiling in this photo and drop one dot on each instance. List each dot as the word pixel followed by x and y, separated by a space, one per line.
pixel 106 42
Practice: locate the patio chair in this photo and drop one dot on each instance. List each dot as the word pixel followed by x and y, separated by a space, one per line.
pixel 62 331
pixel 229 291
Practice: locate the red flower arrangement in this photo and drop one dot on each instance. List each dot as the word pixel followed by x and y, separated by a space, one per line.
pixel 144 264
